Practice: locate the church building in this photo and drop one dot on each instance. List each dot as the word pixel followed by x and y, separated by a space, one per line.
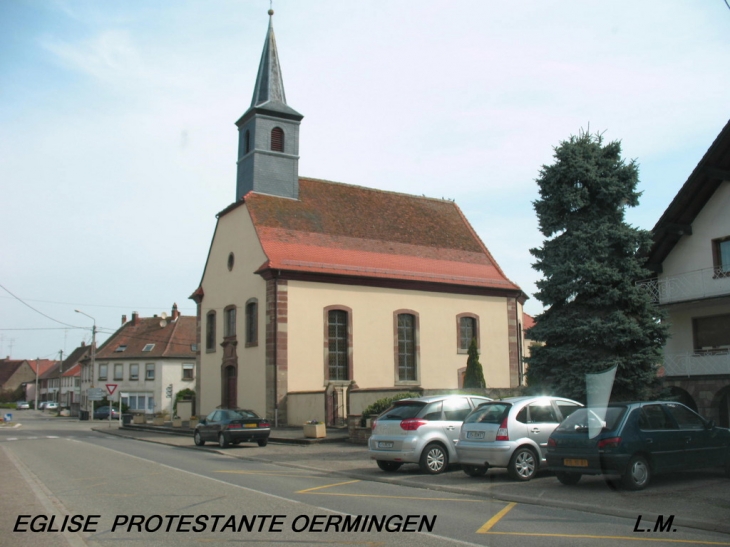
pixel 319 297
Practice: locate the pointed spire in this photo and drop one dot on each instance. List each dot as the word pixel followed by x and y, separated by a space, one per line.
pixel 269 83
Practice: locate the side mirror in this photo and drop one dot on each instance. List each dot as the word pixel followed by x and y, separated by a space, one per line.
pixel 709 424
pixel 202 422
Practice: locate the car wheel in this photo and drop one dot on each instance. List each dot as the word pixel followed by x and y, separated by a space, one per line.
pixel 637 474
pixel 475 470
pixel 434 459
pixel 389 466
pixel 222 441
pixel 198 439
pixel 568 478
pixel 263 442
pixel 523 465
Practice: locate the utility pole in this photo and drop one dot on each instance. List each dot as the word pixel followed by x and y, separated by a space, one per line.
pixel 93 363
pixel 60 376
pixel 36 383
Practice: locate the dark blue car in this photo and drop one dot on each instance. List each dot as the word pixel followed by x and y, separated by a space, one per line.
pixel 634 441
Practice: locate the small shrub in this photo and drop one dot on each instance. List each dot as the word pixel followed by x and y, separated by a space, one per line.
pixel 381 405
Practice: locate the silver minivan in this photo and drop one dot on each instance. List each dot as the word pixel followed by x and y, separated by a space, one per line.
pixel 511 433
pixel 423 430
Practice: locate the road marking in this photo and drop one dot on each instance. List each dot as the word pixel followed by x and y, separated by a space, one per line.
pixel 267 473
pixel 311 490
pixel 290 500
pixel 495 519
pixel 626 538
pixel 325 486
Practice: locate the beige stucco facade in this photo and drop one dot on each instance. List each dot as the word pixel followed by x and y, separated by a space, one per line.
pixel 235 234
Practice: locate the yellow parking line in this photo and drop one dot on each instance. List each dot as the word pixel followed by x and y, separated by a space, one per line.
pixel 264 473
pixel 325 486
pixel 495 519
pixel 392 497
pixel 626 538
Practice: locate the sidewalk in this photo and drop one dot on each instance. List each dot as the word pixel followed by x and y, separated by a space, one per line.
pixel 698 499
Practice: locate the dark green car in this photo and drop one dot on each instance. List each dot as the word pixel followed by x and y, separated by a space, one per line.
pixel 634 441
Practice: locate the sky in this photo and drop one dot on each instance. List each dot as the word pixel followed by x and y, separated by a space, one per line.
pixel 118 143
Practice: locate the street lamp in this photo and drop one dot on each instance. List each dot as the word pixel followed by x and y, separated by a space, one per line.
pixel 93 362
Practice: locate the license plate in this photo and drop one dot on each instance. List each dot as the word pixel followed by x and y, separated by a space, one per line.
pixel 575 463
pixel 384 444
pixel 475 434
pixel 250 425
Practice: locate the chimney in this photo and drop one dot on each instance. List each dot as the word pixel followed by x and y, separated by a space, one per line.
pixel 175 313
pixel 135 318
pixel 124 319
pixel 83 344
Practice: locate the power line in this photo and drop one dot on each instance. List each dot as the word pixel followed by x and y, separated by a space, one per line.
pixel 101 305
pixel 37 311
pixel 50 328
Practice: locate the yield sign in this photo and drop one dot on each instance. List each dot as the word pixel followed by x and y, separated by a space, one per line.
pixel 111 388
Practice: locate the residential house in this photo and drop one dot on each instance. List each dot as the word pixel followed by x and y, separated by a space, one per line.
pixel 319 297
pixel 141 359
pixel 14 373
pixel 691 255
pixel 39 366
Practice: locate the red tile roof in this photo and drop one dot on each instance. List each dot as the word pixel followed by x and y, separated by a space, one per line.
pixel 174 340
pixel 43 365
pixel 527 321
pixel 341 229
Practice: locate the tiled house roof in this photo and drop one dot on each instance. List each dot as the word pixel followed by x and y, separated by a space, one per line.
pixel 175 340
pixel 340 229
pixel 42 365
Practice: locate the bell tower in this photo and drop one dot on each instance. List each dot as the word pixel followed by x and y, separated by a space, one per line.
pixel 268 133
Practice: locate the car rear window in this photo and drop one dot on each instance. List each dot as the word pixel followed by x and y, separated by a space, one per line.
pixel 580 419
pixel 490 413
pixel 402 410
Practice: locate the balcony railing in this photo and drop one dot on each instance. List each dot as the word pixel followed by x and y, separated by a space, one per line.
pixel 705 283
pixel 697 364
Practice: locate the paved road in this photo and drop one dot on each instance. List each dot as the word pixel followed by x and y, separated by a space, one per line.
pixel 72 470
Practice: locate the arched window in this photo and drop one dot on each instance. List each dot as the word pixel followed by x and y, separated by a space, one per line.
pixel 406 346
pixel 467 325
pixel 230 324
pixel 337 344
pixel 277 139
pixel 252 314
pixel 210 332
pixel 247 142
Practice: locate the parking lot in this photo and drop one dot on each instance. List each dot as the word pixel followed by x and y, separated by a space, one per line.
pixel 696 499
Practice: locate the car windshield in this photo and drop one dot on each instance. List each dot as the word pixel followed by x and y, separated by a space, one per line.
pixel 582 418
pixel 490 413
pixel 402 411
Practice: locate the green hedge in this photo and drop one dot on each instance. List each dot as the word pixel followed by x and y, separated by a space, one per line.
pixel 381 405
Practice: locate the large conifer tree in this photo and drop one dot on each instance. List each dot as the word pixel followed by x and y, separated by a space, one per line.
pixel 595 316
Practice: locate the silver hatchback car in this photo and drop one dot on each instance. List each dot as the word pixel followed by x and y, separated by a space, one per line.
pixel 511 433
pixel 422 431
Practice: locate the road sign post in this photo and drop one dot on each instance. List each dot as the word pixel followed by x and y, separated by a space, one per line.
pixel 110 389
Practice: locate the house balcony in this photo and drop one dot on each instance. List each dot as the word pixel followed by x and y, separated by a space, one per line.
pixel 707 283
pixel 697 364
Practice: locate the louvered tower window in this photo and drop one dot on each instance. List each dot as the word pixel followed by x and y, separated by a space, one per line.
pixel 277 139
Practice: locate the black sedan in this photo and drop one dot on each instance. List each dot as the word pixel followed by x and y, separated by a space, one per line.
pixel 102 413
pixel 232 427
pixel 635 441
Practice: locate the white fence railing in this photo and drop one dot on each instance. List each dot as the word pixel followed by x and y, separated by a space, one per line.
pixel 696 364
pixel 689 286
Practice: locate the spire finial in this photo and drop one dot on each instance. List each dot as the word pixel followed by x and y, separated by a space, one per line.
pixel 271 8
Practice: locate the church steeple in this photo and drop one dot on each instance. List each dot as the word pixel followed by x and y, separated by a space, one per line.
pixel 268 143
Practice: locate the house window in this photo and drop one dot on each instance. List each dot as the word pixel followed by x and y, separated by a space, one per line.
pixel 230 326
pixel 407 347
pixel 711 333
pixel 149 373
pixel 120 348
pixel 134 371
pixel 277 139
pixel 188 371
pixel 252 322
pixel 148 347
pixel 210 332
pixel 119 371
pixel 337 346
pixel 102 372
pixel 721 256
pixel 467 325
